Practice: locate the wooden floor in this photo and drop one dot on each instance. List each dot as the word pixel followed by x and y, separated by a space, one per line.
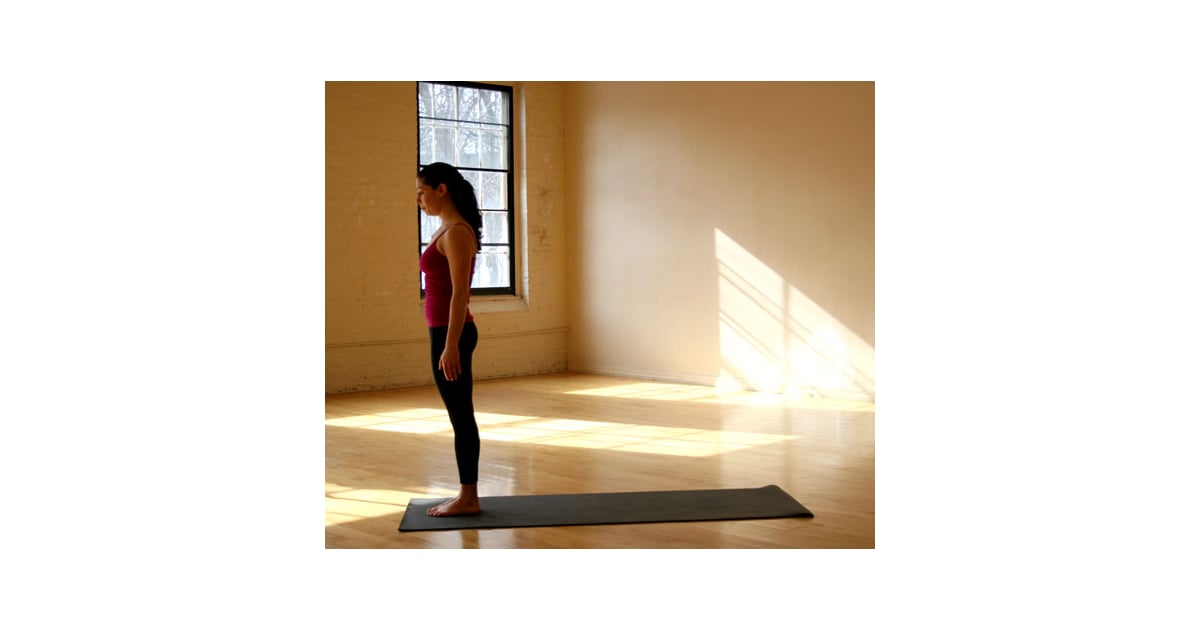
pixel 573 433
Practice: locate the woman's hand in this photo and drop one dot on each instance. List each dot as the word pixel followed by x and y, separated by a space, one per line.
pixel 449 363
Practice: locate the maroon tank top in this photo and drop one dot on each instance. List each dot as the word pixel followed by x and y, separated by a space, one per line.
pixel 438 287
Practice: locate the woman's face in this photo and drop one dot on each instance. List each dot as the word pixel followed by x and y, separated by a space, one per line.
pixel 430 200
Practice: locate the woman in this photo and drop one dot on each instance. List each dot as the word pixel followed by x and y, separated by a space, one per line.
pixel 449 264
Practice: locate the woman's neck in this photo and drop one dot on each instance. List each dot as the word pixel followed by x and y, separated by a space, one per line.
pixel 450 217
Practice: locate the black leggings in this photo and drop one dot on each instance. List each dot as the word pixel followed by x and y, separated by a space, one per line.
pixel 456 395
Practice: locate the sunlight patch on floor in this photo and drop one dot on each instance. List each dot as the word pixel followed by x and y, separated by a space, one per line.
pixel 653 391
pixel 571 432
pixel 417 420
pixel 649 439
pixel 340 510
pixel 347 504
pixel 727 394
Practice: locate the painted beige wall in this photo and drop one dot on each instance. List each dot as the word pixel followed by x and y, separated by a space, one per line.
pixel 709 233
pixel 723 233
pixel 375 332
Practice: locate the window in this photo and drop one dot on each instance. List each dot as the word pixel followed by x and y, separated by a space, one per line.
pixel 469 125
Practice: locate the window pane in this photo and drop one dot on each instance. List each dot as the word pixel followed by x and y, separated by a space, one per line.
pixel 493 107
pixel 426 155
pixel 468 148
pixel 495 227
pixel 495 149
pixel 424 99
pixel 444 101
pixel 491 268
pixel 443 144
pixel 493 195
pixel 429 225
pixel 473 177
pixel 423 248
pixel 468 104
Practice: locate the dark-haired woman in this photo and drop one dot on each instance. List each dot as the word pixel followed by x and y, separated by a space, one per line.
pixel 449 265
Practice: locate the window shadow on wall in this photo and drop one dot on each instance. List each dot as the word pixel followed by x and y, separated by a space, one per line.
pixel 774 338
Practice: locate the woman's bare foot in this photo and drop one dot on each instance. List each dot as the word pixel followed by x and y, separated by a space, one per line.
pixel 467 502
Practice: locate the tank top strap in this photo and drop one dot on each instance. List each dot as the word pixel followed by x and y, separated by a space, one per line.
pixel 474 235
pixel 443 232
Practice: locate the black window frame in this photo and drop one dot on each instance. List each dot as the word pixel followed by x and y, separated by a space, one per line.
pixel 511 289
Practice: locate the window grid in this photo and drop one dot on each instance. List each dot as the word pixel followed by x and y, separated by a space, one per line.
pixel 460 130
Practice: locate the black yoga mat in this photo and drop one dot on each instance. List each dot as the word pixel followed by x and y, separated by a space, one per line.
pixel 551 510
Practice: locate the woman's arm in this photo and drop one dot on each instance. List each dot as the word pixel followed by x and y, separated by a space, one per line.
pixel 459 246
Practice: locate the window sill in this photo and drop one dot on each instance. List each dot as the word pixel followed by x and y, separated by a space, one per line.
pixel 495 304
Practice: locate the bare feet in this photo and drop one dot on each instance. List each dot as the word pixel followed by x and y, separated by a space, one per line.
pixel 467 502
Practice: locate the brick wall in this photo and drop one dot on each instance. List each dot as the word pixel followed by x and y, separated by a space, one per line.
pixel 375 332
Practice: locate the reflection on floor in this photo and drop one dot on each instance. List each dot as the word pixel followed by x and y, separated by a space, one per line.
pixel 572 433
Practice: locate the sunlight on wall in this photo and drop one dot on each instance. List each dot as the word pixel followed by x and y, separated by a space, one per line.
pixel 773 338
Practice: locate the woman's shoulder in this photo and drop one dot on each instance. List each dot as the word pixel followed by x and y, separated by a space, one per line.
pixel 465 238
